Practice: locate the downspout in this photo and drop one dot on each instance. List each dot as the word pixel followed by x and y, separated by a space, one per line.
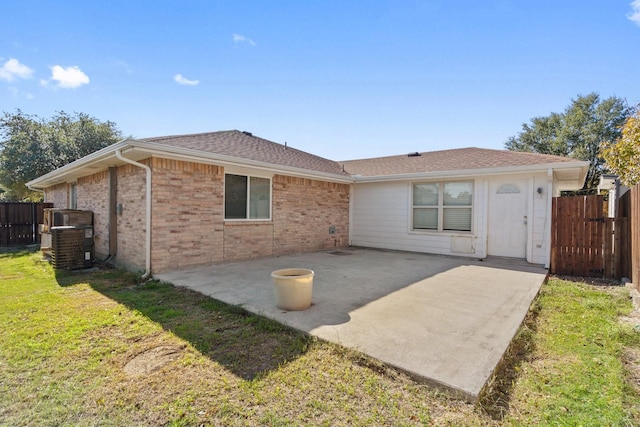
pixel 549 216
pixel 36 190
pixel 147 272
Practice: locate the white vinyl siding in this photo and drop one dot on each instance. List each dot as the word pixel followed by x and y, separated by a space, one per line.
pixel 382 218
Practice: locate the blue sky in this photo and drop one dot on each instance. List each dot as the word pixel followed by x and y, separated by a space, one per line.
pixel 340 79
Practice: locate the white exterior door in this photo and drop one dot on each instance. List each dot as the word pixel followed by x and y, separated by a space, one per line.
pixel 507 223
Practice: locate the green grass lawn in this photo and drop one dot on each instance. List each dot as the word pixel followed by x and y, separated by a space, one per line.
pixel 101 349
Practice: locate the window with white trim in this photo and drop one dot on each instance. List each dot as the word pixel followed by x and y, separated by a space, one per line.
pixel 247 197
pixel 442 206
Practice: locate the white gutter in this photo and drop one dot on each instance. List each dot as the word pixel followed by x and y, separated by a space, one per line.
pixel 178 153
pixel 226 160
pixel 470 172
pixel 84 162
pixel 548 226
pixel 35 189
pixel 147 272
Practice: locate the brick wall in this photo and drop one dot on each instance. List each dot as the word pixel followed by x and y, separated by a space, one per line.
pixel 303 212
pixel 189 228
pixel 93 195
pixel 131 188
pixel 187 214
pixel 58 195
pixel 247 240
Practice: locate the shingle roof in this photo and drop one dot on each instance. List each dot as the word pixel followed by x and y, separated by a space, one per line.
pixel 448 160
pixel 244 145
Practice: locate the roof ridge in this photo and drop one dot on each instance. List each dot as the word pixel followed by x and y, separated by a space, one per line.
pixel 459 149
pixel 245 145
pixel 164 137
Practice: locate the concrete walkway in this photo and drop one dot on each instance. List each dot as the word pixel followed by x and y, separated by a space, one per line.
pixel 445 320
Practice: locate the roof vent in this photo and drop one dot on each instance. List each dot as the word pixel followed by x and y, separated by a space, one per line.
pixel 247 133
pixel 416 154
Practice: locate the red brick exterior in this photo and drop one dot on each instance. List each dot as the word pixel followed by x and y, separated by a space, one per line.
pixel 58 195
pixel 93 195
pixel 187 214
pixel 303 211
pixel 188 226
pixel 248 240
pixel 131 188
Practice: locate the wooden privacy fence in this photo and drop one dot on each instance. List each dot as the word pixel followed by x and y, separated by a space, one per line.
pixel 584 242
pixel 19 223
pixel 629 206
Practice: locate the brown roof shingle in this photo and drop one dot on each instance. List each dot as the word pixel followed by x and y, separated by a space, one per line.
pixel 244 145
pixel 448 160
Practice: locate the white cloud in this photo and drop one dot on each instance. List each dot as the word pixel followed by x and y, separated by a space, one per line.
pixel 181 80
pixel 239 38
pixel 123 66
pixel 634 15
pixel 15 93
pixel 13 69
pixel 68 78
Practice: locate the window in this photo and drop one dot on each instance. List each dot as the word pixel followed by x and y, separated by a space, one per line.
pixel 442 206
pixel 73 196
pixel 247 197
pixel 508 189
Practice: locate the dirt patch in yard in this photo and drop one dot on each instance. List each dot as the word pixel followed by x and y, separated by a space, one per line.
pixel 631 356
pixel 631 360
pixel 152 359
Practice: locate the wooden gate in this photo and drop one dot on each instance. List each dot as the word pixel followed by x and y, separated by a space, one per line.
pixel 584 242
pixel 19 223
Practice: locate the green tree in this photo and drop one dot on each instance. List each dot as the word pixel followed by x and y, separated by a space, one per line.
pixel 31 146
pixel 578 132
pixel 622 156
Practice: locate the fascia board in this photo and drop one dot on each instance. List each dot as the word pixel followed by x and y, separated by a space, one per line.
pixel 178 153
pixel 88 160
pixel 583 165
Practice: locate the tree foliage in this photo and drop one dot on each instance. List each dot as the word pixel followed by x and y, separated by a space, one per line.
pixel 31 146
pixel 622 156
pixel 577 132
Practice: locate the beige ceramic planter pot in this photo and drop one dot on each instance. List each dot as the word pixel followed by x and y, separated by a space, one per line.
pixel 293 288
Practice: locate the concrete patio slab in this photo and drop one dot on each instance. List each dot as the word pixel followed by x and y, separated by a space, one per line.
pixel 446 320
